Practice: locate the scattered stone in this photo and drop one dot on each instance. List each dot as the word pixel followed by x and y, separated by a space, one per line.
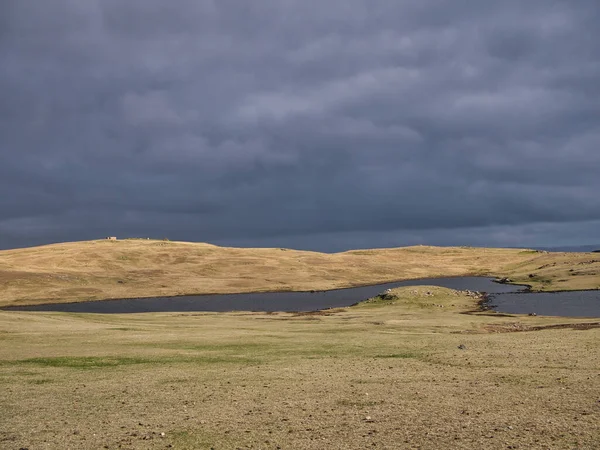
pixel 473 294
pixel 532 314
pixel 387 295
pixel 462 347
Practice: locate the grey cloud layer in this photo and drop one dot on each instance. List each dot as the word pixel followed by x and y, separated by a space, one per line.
pixel 274 121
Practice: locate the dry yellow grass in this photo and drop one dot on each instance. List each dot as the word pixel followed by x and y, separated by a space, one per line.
pixel 104 269
pixel 384 374
pixel 387 373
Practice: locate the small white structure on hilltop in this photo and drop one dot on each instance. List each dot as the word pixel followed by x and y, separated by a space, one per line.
pixel 111 238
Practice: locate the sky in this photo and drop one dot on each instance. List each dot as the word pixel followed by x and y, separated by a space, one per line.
pixel 310 124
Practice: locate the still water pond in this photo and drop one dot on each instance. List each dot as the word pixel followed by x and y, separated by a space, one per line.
pixel 506 297
pixel 567 304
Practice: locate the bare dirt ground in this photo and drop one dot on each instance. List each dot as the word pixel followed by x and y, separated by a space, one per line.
pixel 97 270
pixel 412 371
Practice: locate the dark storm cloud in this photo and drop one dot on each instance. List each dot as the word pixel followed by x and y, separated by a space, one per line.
pixel 300 123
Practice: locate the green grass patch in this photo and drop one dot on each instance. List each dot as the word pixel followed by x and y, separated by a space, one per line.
pixel 107 362
pixel 17 372
pixel 84 362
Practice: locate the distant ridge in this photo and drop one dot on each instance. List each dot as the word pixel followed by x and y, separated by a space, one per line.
pixel 132 268
pixel 572 248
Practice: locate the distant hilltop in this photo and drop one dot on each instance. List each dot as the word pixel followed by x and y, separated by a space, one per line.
pixel 132 268
pixel 573 248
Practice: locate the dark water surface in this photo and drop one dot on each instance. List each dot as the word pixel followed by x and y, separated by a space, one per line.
pixel 567 304
pixel 267 301
pixel 505 298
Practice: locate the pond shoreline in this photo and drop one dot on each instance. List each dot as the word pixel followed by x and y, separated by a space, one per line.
pixel 500 297
pixel 268 300
pixel 270 291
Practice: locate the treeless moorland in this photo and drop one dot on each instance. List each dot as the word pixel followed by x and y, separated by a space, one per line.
pixel 418 369
pixel 96 270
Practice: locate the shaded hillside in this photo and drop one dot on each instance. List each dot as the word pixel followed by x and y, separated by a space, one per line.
pixel 106 269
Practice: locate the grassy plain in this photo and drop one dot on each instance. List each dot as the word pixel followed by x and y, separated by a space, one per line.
pixel 384 374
